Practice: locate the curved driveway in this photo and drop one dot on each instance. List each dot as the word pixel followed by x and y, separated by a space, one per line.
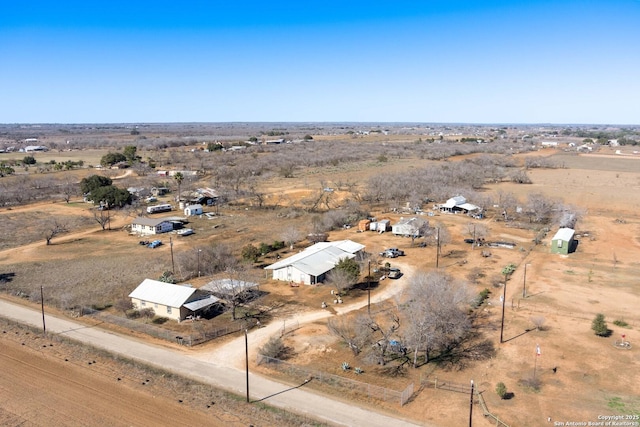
pixel 217 367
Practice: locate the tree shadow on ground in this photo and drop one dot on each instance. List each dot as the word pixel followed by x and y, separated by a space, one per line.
pixel 458 355
pixel 6 277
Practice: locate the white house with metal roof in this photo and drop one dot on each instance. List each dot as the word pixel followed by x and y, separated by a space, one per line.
pixel 311 266
pixel 458 204
pixel 142 225
pixel 409 227
pixel 168 300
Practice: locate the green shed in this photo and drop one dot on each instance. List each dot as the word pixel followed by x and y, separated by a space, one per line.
pixel 563 241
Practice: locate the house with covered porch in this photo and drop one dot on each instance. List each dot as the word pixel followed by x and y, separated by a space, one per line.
pixel 311 266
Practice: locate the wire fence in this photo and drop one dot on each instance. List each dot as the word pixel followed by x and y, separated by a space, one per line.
pixel 169 335
pixel 442 384
pixel 346 385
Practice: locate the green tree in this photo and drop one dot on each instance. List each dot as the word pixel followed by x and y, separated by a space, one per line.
pixel 110 159
pixel 6 170
pixel 90 183
pixel 501 390
pixel 179 178
pixel 214 146
pixel 130 153
pixel 29 160
pixel 250 253
pixel 350 267
pixel 111 195
pixel 599 326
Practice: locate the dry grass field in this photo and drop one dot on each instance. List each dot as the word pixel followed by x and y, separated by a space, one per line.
pixel 581 375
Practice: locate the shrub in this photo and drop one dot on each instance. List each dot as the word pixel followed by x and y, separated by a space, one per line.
pixel 273 348
pixel 29 160
pixel 277 244
pixel 482 296
pixel 599 326
pixel 250 253
pixel 501 390
pixel 621 323
pixel 264 248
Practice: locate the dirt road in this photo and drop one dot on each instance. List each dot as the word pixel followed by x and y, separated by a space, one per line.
pixel 295 399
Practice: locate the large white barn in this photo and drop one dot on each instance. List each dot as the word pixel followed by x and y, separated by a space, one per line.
pixel 311 266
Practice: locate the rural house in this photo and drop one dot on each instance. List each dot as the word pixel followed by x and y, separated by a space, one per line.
pixel 175 302
pixel 143 225
pixel 458 204
pixel 311 266
pixel 409 227
pixel 563 241
pixel 193 210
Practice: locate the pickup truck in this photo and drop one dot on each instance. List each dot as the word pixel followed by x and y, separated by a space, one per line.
pixel 394 273
pixel 391 253
pixel 154 244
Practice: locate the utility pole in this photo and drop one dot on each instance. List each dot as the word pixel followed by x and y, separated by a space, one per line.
pixel 199 250
pixel 44 326
pixel 471 406
pixel 437 246
pixel 173 266
pixel 246 358
pixel 504 298
pixel 474 237
pixel 369 290
pixel 524 282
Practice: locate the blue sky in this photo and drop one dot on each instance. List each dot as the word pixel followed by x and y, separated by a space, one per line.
pixel 395 61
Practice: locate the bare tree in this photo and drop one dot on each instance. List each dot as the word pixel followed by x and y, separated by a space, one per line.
pixel 52 227
pixel 69 188
pixel 508 203
pixel 540 208
pixel 235 291
pixel 340 279
pixel 538 322
pixel 384 328
pixel 477 232
pixel 103 217
pixel 436 314
pixel 291 235
pixel 354 330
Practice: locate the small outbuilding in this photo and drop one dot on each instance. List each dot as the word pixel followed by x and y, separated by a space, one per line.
pixel 192 210
pixel 363 224
pixel 563 241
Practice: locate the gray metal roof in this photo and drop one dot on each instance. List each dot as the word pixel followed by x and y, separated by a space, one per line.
pixel 151 222
pixel 202 303
pixel 319 258
pixel 228 286
pixel 163 293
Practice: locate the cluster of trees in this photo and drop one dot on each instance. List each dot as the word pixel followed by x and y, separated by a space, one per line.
pixel 128 155
pixel 100 190
pixel 432 322
pixel 21 189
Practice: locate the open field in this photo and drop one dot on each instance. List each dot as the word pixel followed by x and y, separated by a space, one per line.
pixel 591 377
